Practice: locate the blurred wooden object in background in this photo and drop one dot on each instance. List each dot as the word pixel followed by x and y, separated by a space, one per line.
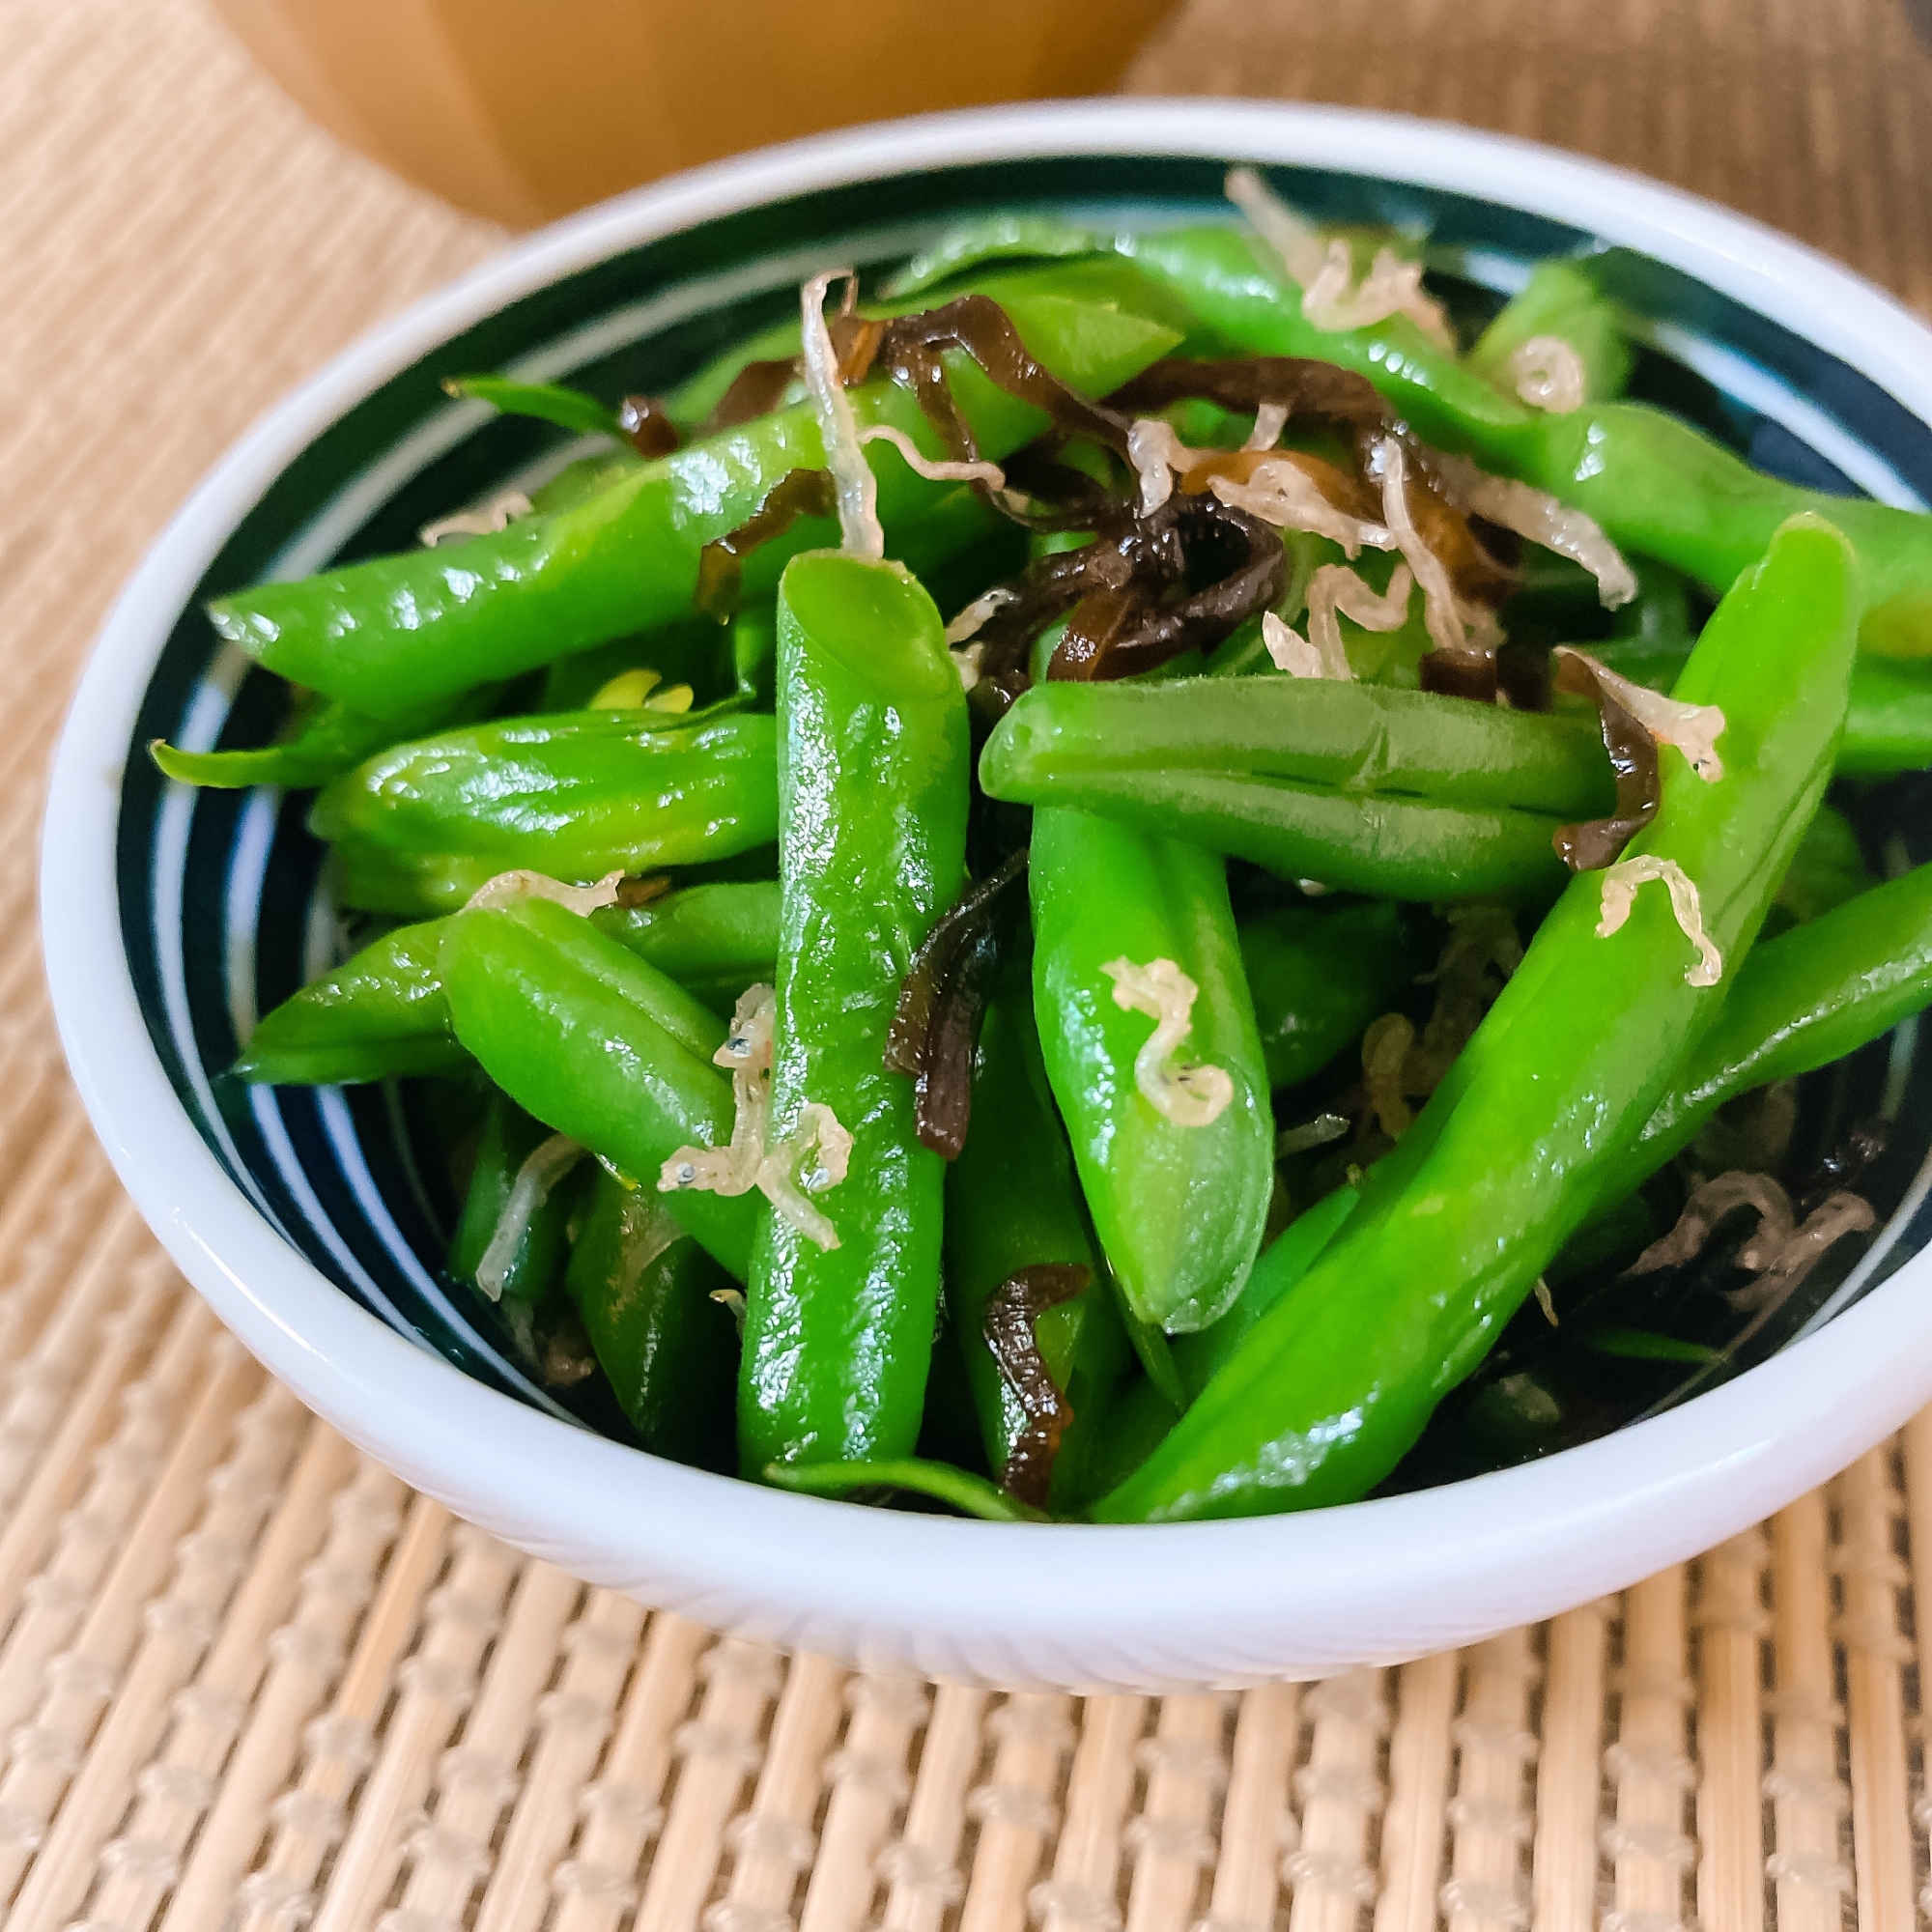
pixel 1812 115
pixel 524 109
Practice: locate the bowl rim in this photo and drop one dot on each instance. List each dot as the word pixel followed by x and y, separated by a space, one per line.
pixel 1234 1600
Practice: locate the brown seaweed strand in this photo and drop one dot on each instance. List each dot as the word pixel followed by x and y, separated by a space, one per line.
pixel 911 348
pixel 1250 581
pixel 1092 632
pixel 942 1001
pixel 1589 846
pixel 642 889
pixel 1524 674
pixel 855 345
pixel 1482 563
pixel 798 492
pixel 648 422
pixel 1483 560
pixel 1121 583
pixel 1454 673
pixel 756 390
pixel 1302 386
pixel 1045 591
pixel 1011 1310
pixel 1346 490
pixel 943 1089
pixel 1061 497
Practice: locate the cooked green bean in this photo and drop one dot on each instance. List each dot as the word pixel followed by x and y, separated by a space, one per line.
pixel 1233 555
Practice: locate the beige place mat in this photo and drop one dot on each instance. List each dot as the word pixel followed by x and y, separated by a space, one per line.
pixel 247 1680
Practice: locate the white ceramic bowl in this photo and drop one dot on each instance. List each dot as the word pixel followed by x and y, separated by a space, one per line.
pixel 1219 1603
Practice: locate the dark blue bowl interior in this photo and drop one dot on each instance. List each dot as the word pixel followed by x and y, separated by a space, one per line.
pixel 221 896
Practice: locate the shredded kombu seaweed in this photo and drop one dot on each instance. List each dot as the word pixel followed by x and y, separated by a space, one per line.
pixel 1152 584
pixel 1305 388
pixel 1515 674
pixel 1118 589
pixel 1524 674
pixel 911 348
pixel 648 422
pixel 1184 575
pixel 942 1001
pixel 1011 1310
pixel 1236 558
pixel 1480 557
pixel 756 390
pixel 1590 846
pixel 1453 674
pixel 854 341
pixel 637 890
pixel 1482 561
pixel 798 492
pixel 1062 498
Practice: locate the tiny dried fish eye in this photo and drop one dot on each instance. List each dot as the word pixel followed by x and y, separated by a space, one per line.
pixel 686 1174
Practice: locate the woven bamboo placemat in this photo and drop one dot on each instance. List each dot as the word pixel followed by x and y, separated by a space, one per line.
pixel 247 1680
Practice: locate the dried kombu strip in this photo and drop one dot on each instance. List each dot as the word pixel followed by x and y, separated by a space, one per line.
pixel 1301 386
pixel 911 348
pixel 1480 562
pixel 1452 674
pixel 1008 1323
pixel 756 390
pixel 1597 843
pixel 641 889
pixel 798 492
pixel 1483 564
pixel 1246 569
pixel 1061 497
pixel 1043 593
pixel 1524 674
pixel 855 343
pixel 646 421
pixel 942 1001
pixel 1346 490
pixel 1096 624
pixel 1123 589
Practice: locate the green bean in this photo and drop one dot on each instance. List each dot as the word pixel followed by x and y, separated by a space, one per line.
pixel 1198 1357
pixel 577 796
pixel 1319 975
pixel 1559 301
pixel 324 740
pixel 379 1016
pixel 1396 794
pixel 1012 1204
pixel 648 1298
pixel 398 631
pixel 598 1046
pixel 547 402
pixel 1803 1000
pixel 1179 1208
pixel 873 780
pixel 1335 1383
pixel 534 1267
